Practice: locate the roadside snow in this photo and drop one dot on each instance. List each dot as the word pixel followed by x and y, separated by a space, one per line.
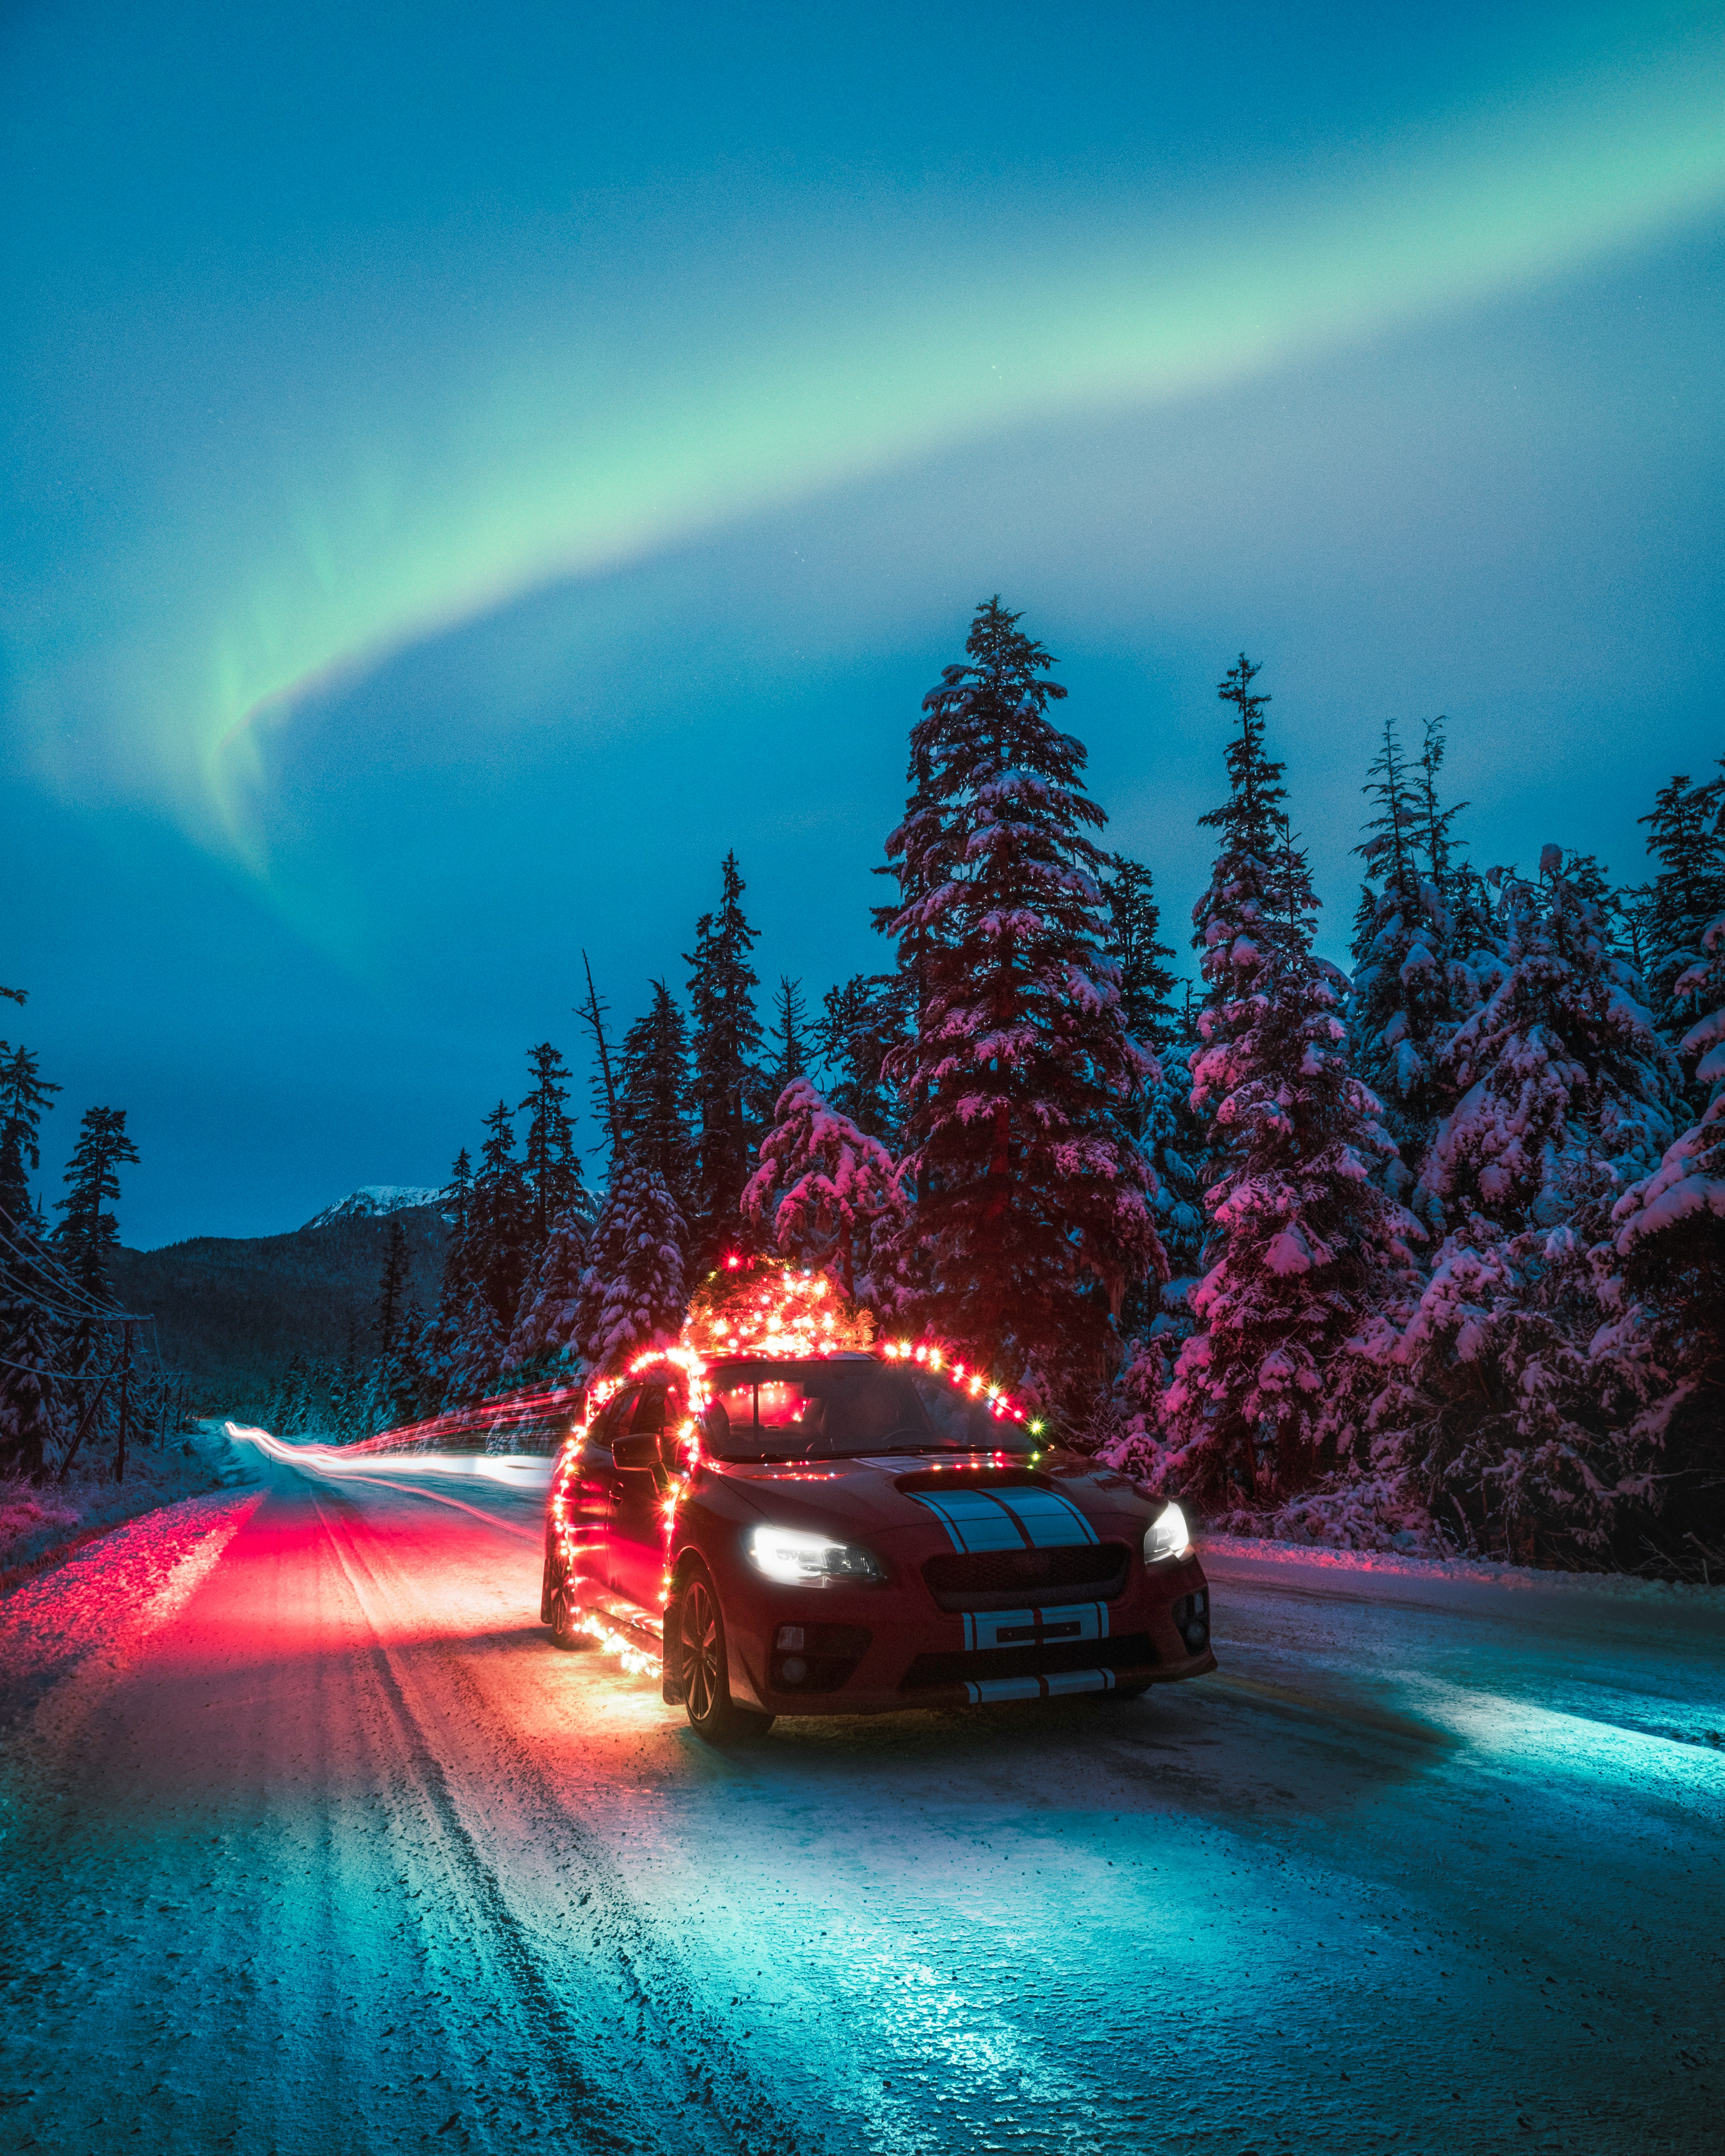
pixel 36 1523
pixel 1385 1564
pixel 109 1595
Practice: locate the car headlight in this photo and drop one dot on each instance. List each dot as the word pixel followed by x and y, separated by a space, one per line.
pixel 1167 1536
pixel 795 1558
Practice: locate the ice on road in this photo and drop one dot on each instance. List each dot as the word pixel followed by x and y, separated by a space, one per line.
pixel 313 1842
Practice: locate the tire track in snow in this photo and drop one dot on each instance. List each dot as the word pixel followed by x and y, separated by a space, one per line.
pixel 682 2055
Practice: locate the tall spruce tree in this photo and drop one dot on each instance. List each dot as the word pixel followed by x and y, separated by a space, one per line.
pixel 789 1038
pixel 24 1093
pixel 550 1167
pixel 1160 1116
pixel 1306 1247
pixel 391 1291
pixel 90 1230
pixel 654 1095
pixel 494 1264
pixel 727 1085
pixel 1404 1004
pixel 862 1021
pixel 1136 946
pixel 1034 1215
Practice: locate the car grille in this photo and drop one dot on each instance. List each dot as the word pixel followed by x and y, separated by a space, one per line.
pixel 1131 1650
pixel 1000 1579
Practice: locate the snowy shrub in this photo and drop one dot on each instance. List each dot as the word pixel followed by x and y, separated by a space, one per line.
pixel 1523 1406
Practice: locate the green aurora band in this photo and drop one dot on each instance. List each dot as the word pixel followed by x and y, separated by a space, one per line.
pixel 153 676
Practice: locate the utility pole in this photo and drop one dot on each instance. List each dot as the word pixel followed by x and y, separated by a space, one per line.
pixel 124 1400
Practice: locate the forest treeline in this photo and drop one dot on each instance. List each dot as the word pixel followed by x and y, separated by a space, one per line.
pixel 78 1374
pixel 1426 1253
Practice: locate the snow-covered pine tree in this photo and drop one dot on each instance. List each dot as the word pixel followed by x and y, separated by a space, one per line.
pixel 1559 1074
pixel 862 1021
pixel 24 1093
pixel 1407 993
pixel 1687 827
pixel 822 1187
pixel 1521 1402
pixel 404 1391
pixel 727 1085
pixel 1306 1249
pixel 391 1291
pixel 1033 1215
pixel 90 1230
pixel 653 1096
pixel 31 1408
pixel 494 1265
pixel 550 1166
pixel 1136 946
pixel 1160 1116
pixel 545 1342
pixel 633 1293
pixel 348 1389
pixel 1669 1239
pixel 789 1036
pixel 455 1284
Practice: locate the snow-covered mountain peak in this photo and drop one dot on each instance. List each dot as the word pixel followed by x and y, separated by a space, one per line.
pixel 372 1199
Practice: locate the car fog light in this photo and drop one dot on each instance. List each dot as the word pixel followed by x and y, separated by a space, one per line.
pixel 793 1669
pixel 1196 1634
pixel 1167 1536
pixel 796 1558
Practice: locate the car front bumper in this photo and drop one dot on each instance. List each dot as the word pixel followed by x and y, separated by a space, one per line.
pixel 1156 1630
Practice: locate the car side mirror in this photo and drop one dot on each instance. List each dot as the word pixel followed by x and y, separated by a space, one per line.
pixel 638 1449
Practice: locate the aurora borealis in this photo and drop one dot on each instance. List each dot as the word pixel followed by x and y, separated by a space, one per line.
pixel 470 469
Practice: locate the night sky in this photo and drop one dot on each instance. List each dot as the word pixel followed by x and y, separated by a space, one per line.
pixel 466 468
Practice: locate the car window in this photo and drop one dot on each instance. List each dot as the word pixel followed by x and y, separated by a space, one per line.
pixel 839 1408
pixel 649 1416
pixel 609 1420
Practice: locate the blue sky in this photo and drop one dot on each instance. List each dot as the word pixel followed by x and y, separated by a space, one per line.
pixel 467 469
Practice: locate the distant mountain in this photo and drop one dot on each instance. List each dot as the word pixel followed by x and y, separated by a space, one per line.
pixel 232 1312
pixel 374 1199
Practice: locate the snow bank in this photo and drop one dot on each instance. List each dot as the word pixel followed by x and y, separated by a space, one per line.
pixel 1675 1594
pixel 37 1523
pixel 109 1592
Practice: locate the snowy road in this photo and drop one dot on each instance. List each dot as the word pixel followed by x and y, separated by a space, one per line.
pixel 323 1847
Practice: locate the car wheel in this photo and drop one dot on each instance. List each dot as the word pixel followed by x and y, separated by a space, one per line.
pixel 565 1622
pixel 706 1687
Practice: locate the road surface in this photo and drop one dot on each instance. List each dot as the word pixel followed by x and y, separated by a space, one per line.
pixel 313 1842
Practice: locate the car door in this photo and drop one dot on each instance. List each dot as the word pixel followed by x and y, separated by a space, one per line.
pixel 638 1513
pixel 594 1493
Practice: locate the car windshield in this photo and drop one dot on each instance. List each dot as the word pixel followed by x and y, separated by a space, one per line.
pixel 841 1408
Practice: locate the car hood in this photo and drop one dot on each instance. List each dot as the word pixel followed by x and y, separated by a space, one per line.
pixel 939 1493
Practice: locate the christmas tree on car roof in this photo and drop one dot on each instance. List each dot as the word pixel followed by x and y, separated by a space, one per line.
pixel 758 1305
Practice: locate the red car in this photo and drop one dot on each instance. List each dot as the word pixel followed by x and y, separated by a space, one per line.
pixel 856 1533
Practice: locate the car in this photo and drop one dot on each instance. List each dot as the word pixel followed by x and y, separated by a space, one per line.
pixel 841 1531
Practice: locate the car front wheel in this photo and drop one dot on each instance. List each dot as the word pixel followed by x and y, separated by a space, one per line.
pixel 565 1616
pixel 706 1686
